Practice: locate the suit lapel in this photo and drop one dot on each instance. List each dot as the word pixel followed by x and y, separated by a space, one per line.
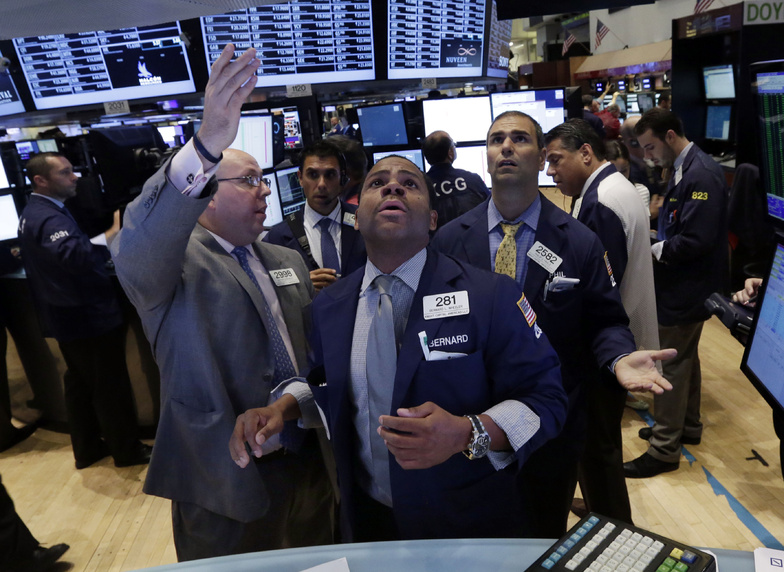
pixel 476 242
pixel 548 232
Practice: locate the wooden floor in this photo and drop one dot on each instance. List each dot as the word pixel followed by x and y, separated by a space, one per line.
pixel 112 526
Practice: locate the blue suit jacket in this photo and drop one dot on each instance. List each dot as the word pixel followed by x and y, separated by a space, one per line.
pixel 73 293
pixel 587 326
pixel 693 222
pixel 352 247
pixel 505 360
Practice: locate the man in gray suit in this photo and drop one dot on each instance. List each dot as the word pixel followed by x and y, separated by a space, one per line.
pixel 224 314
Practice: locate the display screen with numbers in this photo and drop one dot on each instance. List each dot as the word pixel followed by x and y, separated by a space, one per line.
pixel 435 38
pixel 302 41
pixel 498 45
pixel 9 97
pixel 63 70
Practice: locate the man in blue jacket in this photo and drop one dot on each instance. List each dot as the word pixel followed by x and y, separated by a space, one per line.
pixel 465 369
pixel 78 306
pixel 690 264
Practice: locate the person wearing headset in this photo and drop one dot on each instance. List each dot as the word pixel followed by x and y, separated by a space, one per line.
pixel 323 231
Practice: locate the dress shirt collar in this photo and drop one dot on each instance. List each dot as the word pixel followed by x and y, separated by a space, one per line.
pixel 312 218
pixel 530 216
pixel 409 272
pixel 682 156
pixel 593 176
pixel 229 247
pixel 55 201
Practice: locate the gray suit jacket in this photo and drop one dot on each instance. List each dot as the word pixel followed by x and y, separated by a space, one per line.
pixel 207 326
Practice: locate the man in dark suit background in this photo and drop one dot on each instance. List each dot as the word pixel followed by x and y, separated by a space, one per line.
pixel 323 230
pixel 467 369
pixel 224 314
pixel 559 263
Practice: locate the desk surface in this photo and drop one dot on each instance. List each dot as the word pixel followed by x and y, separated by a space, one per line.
pixel 498 555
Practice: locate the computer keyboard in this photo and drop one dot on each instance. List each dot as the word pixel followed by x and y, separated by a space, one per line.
pixel 601 544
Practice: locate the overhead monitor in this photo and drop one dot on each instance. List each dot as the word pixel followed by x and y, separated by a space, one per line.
pixel 498 39
pixel 4 182
pixel 274 209
pixel 544 105
pixel 26 149
pixel 85 68
pixel 292 197
pixel 413 155
pixel 648 83
pixel 621 85
pixel 382 125
pixel 9 217
pixel 292 132
pixel 719 82
pixel 717 122
pixel 254 136
pixel 645 101
pixel 631 103
pixel 473 158
pixel 763 359
pixel 440 38
pixel 466 119
pixel 299 41
pixel 47 145
pixel 768 84
pixel 9 96
pixel 598 86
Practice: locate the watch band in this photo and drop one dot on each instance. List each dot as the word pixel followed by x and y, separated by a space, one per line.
pixel 479 444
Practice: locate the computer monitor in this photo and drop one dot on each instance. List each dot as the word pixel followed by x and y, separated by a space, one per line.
pixel 4 182
pixel 719 82
pixel 274 209
pixel 292 197
pixel 254 136
pixel 632 106
pixel 718 122
pixel 621 85
pixel 763 359
pixel 413 155
pixel 9 217
pixel 171 134
pixel 47 145
pixel 292 132
pixel 9 97
pixel 768 84
pixel 382 125
pixel 498 39
pixel 645 101
pixel 544 105
pixel 298 42
pixel 100 66
pixel 26 149
pixel 466 119
pixel 648 83
pixel 473 158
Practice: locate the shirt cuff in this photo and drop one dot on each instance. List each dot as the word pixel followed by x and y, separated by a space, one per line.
pixel 656 249
pixel 615 362
pixel 519 422
pixel 99 240
pixel 187 173
pixel 297 386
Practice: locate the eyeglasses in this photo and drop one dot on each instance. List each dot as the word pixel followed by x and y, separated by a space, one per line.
pixel 250 180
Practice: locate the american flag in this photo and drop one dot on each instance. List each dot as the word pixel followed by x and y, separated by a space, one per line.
pixel 702 6
pixel 528 312
pixel 601 32
pixel 568 41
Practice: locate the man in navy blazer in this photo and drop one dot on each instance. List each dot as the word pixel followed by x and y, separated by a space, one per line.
pixel 322 173
pixel 562 270
pixel 470 346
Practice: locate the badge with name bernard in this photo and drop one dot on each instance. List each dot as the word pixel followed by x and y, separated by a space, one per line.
pixel 445 305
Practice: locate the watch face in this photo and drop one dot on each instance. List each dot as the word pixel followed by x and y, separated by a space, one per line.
pixel 480 445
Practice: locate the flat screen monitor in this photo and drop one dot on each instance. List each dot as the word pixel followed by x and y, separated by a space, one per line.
pixel 466 119
pixel 442 38
pixel 719 82
pixel 4 182
pixel 290 191
pixel 171 134
pixel 768 84
pixel 9 96
pixel 606 101
pixel 648 83
pixel 473 158
pixel 763 359
pixel 632 106
pixel 292 132
pixel 598 87
pixel 274 210
pixel 644 101
pixel 498 44
pixel 382 125
pixel 544 105
pixel 717 122
pixel 299 41
pixel 413 155
pixel 254 136
pixel 621 85
pixel 47 145
pixel 9 218
pixel 26 149
pixel 85 68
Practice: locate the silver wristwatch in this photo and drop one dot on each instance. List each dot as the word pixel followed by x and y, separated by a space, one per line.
pixel 479 444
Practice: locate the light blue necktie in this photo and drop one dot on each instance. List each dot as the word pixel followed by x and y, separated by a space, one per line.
pixel 329 254
pixel 381 369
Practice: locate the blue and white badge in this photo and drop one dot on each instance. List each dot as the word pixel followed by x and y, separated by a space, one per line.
pixel 284 277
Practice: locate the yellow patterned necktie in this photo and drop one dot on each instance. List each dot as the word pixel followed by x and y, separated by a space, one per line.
pixel 506 257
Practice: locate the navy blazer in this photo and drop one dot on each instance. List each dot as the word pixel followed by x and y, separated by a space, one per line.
pixel 73 292
pixel 587 326
pixel 506 359
pixel 352 246
pixel 693 222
